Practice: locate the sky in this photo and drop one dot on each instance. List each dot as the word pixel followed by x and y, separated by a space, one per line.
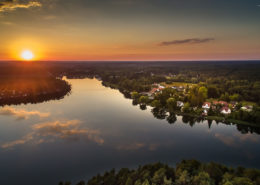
pixel 118 30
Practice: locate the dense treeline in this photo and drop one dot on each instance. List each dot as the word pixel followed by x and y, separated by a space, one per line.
pixel 223 79
pixel 187 172
pixel 167 101
pixel 237 81
pixel 23 91
pixel 29 83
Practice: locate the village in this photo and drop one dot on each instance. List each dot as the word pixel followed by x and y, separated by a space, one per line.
pixel 214 106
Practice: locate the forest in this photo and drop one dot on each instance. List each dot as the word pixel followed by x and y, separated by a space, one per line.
pixel 21 84
pixel 187 172
pixel 236 83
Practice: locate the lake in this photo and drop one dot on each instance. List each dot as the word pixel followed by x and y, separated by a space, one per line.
pixel 96 128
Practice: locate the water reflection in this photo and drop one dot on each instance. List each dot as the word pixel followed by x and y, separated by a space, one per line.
pixel 23 90
pixel 50 131
pixel 171 118
pixel 97 128
pixel 21 114
pixel 235 140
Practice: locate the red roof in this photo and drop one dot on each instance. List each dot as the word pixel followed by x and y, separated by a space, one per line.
pixel 153 90
pixel 220 102
pixel 206 103
pixel 225 109
pixel 223 103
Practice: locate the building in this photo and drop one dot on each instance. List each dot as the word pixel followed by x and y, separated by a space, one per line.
pixel 225 110
pixel 247 108
pixel 180 104
pixel 206 105
pixel 205 112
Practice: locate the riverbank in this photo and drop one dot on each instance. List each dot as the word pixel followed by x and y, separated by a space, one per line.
pixel 32 90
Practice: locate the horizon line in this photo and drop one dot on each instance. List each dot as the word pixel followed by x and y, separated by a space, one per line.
pixel 203 60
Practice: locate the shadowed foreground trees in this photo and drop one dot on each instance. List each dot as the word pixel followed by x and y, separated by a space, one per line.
pixel 187 172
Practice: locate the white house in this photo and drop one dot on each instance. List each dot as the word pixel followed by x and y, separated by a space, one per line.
pixel 205 112
pixel 206 105
pixel 180 104
pixel 225 110
pixel 247 108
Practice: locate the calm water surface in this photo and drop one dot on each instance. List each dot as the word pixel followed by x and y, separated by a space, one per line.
pixel 96 129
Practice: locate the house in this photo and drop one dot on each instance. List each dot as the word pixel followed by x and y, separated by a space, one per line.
pixel 180 104
pixel 154 90
pixel 161 87
pixel 225 110
pixel 206 105
pixel 247 108
pixel 205 112
pixel 215 102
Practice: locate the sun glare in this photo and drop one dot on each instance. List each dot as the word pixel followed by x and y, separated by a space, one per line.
pixel 27 55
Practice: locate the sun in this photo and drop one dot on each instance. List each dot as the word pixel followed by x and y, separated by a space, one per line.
pixel 27 55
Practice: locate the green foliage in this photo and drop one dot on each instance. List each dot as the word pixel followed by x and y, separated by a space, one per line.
pixel 171 104
pixel 134 95
pixel 143 100
pixel 156 103
pixel 184 178
pixel 202 178
pixel 186 108
pixel 242 181
pixel 203 92
pixel 187 172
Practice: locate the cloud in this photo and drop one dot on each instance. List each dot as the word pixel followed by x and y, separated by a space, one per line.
pixel 247 137
pixel 11 5
pixel 50 131
pixel 21 114
pixel 186 41
pixel 236 139
pixel 227 140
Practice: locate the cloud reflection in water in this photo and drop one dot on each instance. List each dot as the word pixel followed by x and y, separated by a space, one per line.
pixel 50 131
pixel 21 114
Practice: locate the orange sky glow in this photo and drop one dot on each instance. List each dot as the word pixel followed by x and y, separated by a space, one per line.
pixel 113 30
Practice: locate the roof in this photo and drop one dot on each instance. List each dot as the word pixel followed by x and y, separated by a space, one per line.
pixel 153 90
pixel 226 109
pixel 206 103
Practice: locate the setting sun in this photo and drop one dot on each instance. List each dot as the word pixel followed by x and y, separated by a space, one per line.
pixel 27 55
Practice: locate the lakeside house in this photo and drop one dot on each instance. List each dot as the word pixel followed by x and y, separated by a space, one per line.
pixel 206 105
pixel 205 112
pixel 224 107
pixel 154 90
pixel 157 88
pixel 247 108
pixel 225 110
pixel 180 104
